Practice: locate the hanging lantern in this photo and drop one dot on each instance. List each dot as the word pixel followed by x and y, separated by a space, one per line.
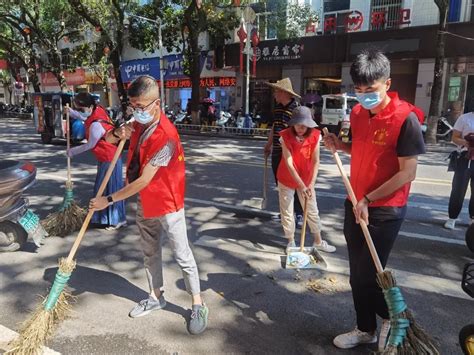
pixel 255 41
pixel 106 50
pixel 98 29
pixel 242 36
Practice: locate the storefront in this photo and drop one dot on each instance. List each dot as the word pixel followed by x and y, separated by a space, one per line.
pixel 217 84
pixel 459 88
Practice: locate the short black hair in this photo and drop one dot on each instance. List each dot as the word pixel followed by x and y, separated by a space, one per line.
pixel 84 99
pixel 370 65
pixel 142 85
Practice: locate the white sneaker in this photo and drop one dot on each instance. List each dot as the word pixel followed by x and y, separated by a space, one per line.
pixel 324 246
pixel 353 338
pixel 450 224
pixel 384 332
pixel 471 221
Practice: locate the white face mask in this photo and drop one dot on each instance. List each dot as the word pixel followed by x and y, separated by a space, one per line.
pixel 143 117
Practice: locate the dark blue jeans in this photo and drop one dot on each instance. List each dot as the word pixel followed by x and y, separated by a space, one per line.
pixel 384 225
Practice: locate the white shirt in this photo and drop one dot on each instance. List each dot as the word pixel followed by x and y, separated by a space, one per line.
pixel 465 124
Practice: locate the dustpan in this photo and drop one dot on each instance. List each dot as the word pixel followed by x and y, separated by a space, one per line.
pixel 304 257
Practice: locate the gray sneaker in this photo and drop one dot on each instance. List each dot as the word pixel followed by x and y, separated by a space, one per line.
pixel 146 306
pixel 198 320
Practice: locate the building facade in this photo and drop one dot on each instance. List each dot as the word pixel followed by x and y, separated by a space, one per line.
pixel 405 30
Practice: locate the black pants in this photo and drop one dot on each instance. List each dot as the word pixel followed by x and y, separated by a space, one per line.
pixel 384 225
pixel 276 159
pixel 463 175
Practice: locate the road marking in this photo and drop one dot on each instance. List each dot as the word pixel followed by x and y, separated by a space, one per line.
pixel 267 213
pixel 426 283
pixel 7 335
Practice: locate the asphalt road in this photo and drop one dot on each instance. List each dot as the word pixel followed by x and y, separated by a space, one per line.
pixel 256 306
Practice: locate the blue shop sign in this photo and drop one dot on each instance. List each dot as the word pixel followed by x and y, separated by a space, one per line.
pixel 132 69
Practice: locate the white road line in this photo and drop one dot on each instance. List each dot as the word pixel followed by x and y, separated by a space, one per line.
pixel 7 335
pixel 226 206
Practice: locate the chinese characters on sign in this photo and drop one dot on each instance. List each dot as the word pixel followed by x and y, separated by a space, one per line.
pixel 204 82
pixel 378 20
pixel 279 52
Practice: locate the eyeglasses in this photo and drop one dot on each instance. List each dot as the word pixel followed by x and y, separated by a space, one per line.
pixel 141 109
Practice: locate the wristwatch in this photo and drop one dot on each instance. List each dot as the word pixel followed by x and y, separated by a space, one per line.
pixel 110 200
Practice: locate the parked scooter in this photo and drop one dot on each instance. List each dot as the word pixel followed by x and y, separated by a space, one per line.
pixel 17 222
pixel 225 119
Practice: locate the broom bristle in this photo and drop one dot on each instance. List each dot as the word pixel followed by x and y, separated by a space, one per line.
pixel 64 222
pixel 417 341
pixel 38 328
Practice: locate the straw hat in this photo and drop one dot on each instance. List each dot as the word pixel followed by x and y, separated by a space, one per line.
pixel 302 115
pixel 284 85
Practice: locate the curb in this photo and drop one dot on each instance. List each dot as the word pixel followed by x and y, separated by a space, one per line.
pixel 7 335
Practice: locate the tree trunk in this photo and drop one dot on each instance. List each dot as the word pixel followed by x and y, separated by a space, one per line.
pixel 195 73
pixel 436 93
pixel 115 60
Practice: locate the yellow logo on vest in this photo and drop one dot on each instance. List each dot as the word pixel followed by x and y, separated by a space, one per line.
pixel 380 136
pixel 180 158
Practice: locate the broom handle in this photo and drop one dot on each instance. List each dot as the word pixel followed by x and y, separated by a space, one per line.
pixel 85 224
pixel 305 218
pixel 350 191
pixel 68 145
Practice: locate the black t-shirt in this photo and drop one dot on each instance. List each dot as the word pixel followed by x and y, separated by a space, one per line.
pixel 410 141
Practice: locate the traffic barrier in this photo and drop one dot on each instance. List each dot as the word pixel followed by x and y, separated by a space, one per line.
pixel 223 131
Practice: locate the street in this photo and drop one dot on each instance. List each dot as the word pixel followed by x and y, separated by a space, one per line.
pixel 256 306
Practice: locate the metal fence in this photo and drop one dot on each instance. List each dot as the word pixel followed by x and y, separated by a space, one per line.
pixel 223 131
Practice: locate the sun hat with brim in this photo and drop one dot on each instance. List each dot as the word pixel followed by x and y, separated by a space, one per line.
pixel 302 115
pixel 284 85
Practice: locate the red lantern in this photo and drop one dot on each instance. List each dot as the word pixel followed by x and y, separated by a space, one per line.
pixel 26 30
pixel 98 28
pixel 106 50
pixel 255 42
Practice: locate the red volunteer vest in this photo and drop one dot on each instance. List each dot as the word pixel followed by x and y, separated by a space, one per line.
pixel 103 150
pixel 301 152
pixel 374 157
pixel 165 193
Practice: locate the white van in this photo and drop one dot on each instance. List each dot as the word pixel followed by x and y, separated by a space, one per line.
pixel 336 108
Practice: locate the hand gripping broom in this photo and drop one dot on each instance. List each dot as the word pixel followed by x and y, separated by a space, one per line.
pixel 69 217
pixel 406 337
pixel 40 326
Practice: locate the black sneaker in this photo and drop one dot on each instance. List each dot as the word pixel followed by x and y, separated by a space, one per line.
pixel 146 306
pixel 198 320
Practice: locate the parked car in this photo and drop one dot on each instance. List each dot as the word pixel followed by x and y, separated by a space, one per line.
pixel 336 108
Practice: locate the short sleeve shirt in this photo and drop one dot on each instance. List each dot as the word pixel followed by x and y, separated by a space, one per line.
pixel 281 116
pixel 465 124
pixel 410 140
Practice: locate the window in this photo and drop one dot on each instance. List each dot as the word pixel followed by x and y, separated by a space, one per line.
pixel 392 11
pixel 336 5
pixel 454 10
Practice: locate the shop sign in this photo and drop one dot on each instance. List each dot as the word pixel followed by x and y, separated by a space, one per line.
pixel 76 77
pixel 91 77
pixel 354 20
pixel 132 69
pixel 279 52
pixel 203 82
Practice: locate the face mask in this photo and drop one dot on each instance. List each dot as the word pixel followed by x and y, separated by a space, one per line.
pixel 143 117
pixel 85 115
pixel 369 100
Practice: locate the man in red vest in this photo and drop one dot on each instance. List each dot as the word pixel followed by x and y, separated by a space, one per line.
pixel 386 140
pixel 155 170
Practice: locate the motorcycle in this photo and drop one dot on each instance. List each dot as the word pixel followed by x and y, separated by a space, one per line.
pixel 225 119
pixel 17 222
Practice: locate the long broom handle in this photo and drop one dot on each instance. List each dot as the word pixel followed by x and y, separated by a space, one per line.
pixel 350 191
pixel 305 219
pixel 68 144
pixel 85 224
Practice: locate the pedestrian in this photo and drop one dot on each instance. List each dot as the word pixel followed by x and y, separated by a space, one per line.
pixel 285 98
pixel 97 124
pixel 297 173
pixel 463 171
pixel 156 171
pixel 386 140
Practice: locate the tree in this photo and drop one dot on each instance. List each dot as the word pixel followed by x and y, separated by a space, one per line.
pixel 108 18
pixel 15 49
pixel 433 116
pixel 43 24
pixel 6 81
pixel 183 22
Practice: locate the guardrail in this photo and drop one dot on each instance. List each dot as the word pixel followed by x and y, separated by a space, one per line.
pixel 223 131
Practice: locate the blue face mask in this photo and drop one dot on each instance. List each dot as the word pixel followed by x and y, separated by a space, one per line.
pixel 369 100
pixel 143 117
pixel 85 115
